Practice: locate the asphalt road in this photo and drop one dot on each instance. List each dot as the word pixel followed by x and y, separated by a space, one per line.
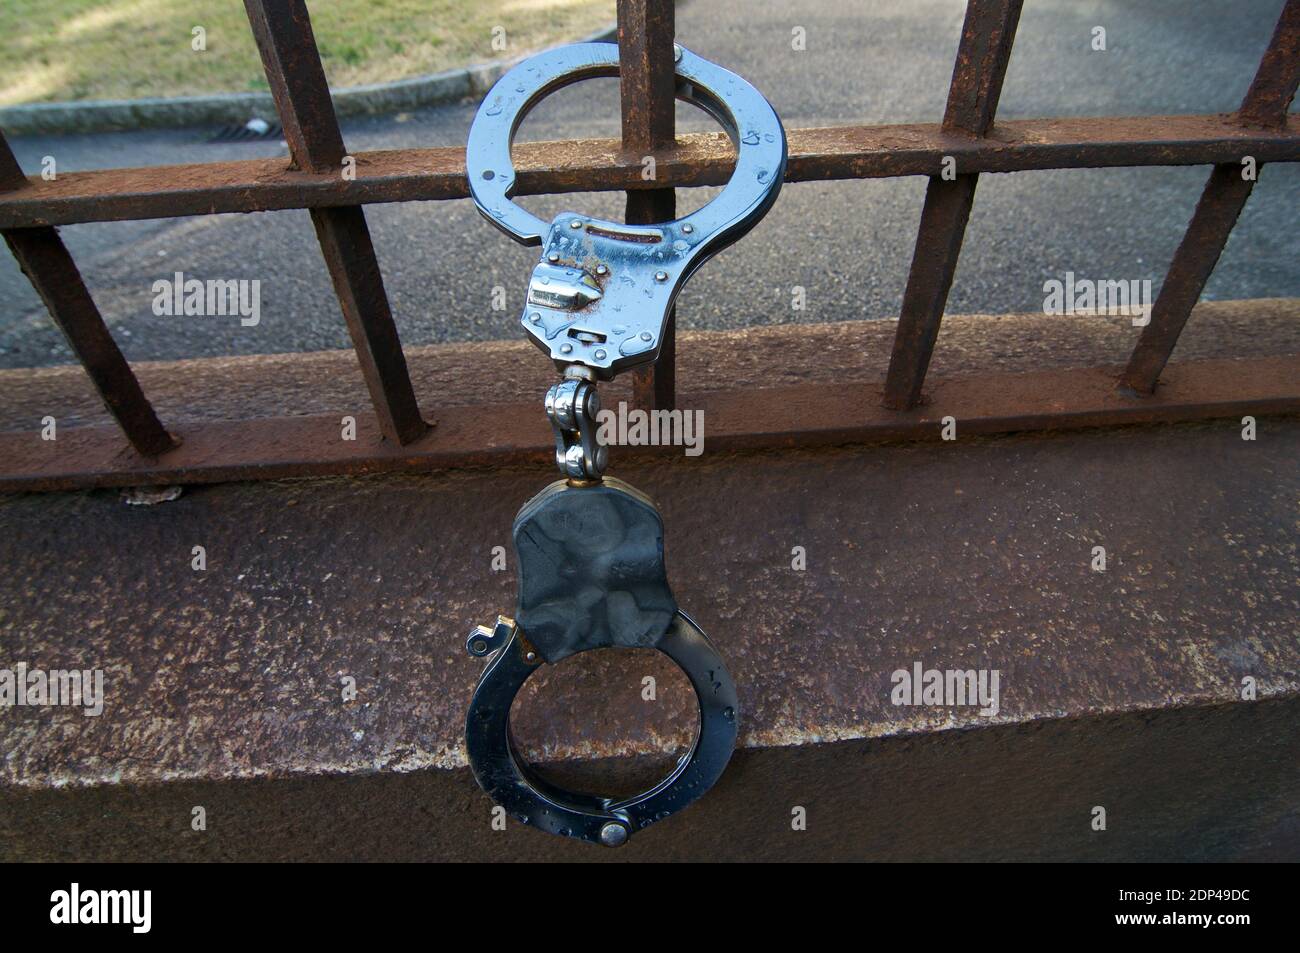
pixel 847 243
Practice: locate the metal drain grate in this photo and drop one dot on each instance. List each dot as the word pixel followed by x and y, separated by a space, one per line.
pixel 251 131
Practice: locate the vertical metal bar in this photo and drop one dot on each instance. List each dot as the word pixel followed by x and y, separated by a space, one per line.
pixel 284 37
pixel 1220 205
pixel 1274 85
pixel 934 263
pixel 647 87
pixel 1217 211
pixel 11 173
pixel 982 56
pixel 285 40
pixel 45 261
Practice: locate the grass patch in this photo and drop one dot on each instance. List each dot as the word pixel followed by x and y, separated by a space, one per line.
pixel 59 50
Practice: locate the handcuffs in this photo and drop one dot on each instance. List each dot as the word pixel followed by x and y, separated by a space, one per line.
pixel 589 548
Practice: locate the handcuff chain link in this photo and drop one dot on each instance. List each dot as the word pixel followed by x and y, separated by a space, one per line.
pixel 572 406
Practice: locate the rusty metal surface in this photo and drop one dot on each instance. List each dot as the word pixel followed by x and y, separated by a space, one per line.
pixel 581 165
pixel 1216 213
pixel 302 98
pixel 234 673
pixel 648 103
pixel 1274 85
pixel 849 352
pixel 646 81
pixel 1220 206
pixel 45 261
pixel 354 270
pixel 802 415
pixel 11 174
pixel 982 56
pixel 744 381
pixel 282 29
pixel 656 386
pixel 987 35
pixel 934 263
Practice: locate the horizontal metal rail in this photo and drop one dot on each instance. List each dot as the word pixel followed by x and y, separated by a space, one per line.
pixel 805 415
pixel 600 165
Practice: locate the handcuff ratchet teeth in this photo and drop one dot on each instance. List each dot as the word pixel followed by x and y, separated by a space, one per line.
pixel 589 549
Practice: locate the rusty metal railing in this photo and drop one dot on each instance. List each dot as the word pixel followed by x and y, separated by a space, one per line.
pixel 31 208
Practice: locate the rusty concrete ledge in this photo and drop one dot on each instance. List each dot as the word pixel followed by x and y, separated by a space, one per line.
pixel 452 375
pixel 974 554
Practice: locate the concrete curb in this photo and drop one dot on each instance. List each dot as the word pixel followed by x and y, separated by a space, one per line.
pixel 110 115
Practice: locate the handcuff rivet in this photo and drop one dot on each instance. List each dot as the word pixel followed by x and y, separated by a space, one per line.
pixel 553 257
pixel 566 348
pixel 613 834
pixel 535 318
pixel 602 269
pixel 647 336
pixel 661 276
pixel 576 223
pixel 688 228
pixel 600 355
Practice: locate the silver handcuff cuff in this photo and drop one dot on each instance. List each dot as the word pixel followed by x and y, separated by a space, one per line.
pixel 590 548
